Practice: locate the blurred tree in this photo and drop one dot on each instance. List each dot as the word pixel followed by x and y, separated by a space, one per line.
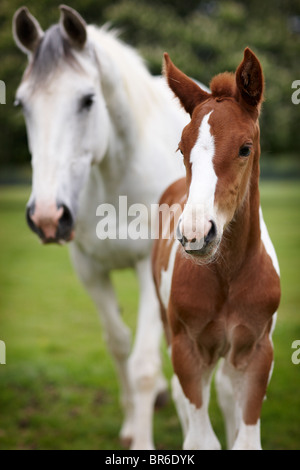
pixel 203 37
pixel 211 36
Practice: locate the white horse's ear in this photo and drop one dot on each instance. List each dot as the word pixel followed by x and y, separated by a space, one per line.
pixel 73 27
pixel 27 32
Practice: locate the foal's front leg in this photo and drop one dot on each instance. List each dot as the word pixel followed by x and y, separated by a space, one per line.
pixel 195 379
pixel 250 385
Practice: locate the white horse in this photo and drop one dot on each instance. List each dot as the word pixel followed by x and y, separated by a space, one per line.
pixel 99 126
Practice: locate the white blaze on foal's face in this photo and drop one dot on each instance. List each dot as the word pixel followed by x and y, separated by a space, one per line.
pixel 197 224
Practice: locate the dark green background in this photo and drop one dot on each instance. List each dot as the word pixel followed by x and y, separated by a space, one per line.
pixel 202 37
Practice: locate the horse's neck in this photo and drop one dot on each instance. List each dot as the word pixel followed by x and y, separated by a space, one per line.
pixel 242 239
pixel 127 92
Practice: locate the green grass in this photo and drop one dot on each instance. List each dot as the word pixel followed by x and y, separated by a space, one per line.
pixel 58 389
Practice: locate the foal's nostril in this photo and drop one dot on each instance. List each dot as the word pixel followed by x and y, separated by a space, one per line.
pixel 183 240
pixel 180 237
pixel 212 233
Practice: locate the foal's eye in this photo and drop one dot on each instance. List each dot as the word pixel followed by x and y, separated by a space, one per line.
pixel 245 151
pixel 87 101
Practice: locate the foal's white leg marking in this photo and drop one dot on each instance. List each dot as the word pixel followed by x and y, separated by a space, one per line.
pixel 200 435
pixel 145 361
pixel 227 402
pixel 230 384
pixel 248 437
pixel 180 403
pixel 239 435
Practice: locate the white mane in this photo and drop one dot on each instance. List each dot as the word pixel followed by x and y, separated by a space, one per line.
pixel 146 94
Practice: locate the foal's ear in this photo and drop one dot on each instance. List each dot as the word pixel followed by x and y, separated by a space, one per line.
pixel 188 92
pixel 27 32
pixel 73 26
pixel 250 80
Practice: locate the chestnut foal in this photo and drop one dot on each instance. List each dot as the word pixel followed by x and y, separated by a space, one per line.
pixel 218 282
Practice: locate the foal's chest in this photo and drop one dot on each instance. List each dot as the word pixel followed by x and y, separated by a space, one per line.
pixel 223 317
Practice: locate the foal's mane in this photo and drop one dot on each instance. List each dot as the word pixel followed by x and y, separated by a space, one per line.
pixel 223 85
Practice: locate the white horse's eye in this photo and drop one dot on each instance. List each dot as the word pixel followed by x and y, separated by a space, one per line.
pixel 18 103
pixel 87 101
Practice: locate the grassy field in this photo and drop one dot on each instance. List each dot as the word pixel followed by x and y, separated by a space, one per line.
pixel 58 388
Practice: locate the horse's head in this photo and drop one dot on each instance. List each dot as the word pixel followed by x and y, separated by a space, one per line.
pixel 64 109
pixel 219 146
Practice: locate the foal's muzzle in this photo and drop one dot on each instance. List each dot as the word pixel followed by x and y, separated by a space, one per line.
pixel 53 224
pixel 199 247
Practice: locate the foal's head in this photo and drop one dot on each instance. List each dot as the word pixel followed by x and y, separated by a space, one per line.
pixel 219 146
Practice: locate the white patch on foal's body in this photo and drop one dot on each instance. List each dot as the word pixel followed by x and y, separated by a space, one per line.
pixel 167 276
pixel 265 237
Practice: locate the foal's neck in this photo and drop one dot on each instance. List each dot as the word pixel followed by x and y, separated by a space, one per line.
pixel 242 239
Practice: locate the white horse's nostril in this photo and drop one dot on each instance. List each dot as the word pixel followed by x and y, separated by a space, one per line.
pixel 50 222
pixel 47 220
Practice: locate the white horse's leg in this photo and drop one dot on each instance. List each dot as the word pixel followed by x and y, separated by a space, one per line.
pixel 145 361
pixel 117 335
